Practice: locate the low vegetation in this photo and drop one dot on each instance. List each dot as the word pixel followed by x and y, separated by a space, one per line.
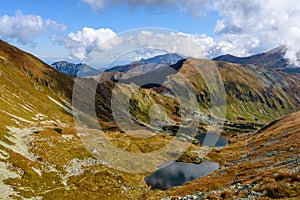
pixel 42 155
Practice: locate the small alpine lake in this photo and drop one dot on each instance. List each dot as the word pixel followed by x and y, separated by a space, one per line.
pixel 178 173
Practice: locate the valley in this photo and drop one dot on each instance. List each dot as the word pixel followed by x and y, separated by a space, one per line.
pixel 120 127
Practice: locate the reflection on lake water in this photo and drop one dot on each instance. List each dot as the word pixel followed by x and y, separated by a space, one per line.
pixel 178 173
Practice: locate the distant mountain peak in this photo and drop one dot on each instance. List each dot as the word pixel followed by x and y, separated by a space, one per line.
pixel 170 58
pixel 278 50
pixel 271 59
pixel 149 64
pixel 80 69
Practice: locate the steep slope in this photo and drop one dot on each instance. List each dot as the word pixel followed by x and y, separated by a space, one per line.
pixel 29 91
pixel 42 155
pixel 81 69
pixel 253 94
pixel 263 164
pixel 272 59
pixel 27 79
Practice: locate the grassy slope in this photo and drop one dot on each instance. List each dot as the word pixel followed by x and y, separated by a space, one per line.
pixel 25 85
pixel 27 80
pixel 253 93
pixel 24 89
pixel 269 159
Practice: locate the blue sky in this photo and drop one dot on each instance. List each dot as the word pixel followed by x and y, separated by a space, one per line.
pixel 76 30
pixel 77 14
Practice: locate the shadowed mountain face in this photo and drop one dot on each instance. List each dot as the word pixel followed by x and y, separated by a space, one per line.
pixel 253 93
pixel 272 59
pixel 81 69
pixel 42 155
pixel 150 64
pixel 170 58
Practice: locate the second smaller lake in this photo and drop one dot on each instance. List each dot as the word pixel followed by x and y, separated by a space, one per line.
pixel 212 140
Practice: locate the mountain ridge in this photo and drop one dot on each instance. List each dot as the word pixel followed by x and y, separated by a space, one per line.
pixel 273 59
pixel 148 64
pixel 42 154
pixel 171 58
pixel 80 69
pixel 266 166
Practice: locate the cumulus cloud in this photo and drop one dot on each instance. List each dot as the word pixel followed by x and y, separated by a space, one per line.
pixel 243 28
pixel 24 28
pixel 104 45
pixel 83 42
pixel 267 23
pixel 91 44
pixel 193 45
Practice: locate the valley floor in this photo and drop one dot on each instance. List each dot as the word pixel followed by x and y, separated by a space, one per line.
pixel 52 163
pixel 261 165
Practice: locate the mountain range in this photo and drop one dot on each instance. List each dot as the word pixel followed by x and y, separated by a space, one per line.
pixel 273 59
pixel 81 69
pixel 43 153
pixel 144 65
pixel 150 64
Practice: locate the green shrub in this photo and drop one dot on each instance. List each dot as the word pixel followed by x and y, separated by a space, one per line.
pixel 58 130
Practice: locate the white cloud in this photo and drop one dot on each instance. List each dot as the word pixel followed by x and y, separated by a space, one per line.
pixel 24 28
pixel 267 23
pixel 243 28
pixel 102 4
pixel 98 5
pixel 191 7
pixel 104 45
pixel 187 44
pixel 82 43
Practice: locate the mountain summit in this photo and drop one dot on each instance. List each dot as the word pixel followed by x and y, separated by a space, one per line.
pixel 81 69
pixel 44 155
pixel 149 64
pixel 170 58
pixel 272 59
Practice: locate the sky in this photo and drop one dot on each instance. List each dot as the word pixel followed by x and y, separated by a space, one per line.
pixel 101 32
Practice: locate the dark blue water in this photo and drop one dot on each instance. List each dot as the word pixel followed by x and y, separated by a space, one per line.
pixel 178 173
pixel 212 140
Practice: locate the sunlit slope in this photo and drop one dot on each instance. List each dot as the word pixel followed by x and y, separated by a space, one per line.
pixel 265 163
pixel 27 86
pixel 251 95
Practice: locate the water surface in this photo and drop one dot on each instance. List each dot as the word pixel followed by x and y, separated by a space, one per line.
pixel 178 173
pixel 212 140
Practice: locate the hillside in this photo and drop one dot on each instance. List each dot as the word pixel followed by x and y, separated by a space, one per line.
pixel 41 153
pixel 27 83
pixel 254 93
pixel 51 147
pixel 273 59
pixel 265 163
pixel 251 94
